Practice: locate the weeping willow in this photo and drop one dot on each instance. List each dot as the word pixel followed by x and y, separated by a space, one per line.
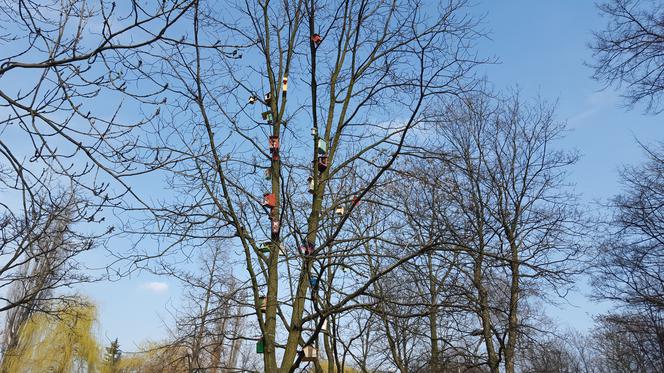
pixel 58 342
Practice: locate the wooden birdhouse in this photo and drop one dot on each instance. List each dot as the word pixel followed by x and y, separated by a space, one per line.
pixel 263 301
pixel 313 281
pixel 322 146
pixel 307 249
pixel 265 246
pixel 252 99
pixel 268 98
pixel 273 143
pixel 316 39
pixel 314 131
pixel 268 173
pixel 340 210
pixel 322 163
pixel 269 200
pixel 275 227
pixel 356 200
pixel 284 84
pixel 310 183
pixel 260 346
pixel 267 115
pixel 309 353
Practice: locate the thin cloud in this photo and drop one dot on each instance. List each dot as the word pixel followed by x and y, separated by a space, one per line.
pixel 155 287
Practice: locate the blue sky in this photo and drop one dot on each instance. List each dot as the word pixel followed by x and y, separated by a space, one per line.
pixel 542 47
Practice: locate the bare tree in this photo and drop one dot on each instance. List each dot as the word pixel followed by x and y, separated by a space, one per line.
pixel 629 50
pixel 628 269
pixel 509 213
pixel 314 95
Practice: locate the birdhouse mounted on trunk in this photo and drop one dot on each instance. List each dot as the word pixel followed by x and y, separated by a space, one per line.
pixel 284 84
pixel 260 346
pixel 266 246
pixel 316 39
pixel 314 131
pixel 322 163
pixel 310 183
pixel 313 281
pixel 269 200
pixel 340 210
pixel 252 99
pixel 273 143
pixel 275 227
pixel 322 146
pixel 307 249
pixel 268 98
pixel 309 353
pixel 267 115
pixel 268 173
pixel 263 302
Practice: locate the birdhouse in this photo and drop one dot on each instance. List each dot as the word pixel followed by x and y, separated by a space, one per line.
pixel 340 210
pixel 316 39
pixel 313 281
pixel 284 84
pixel 314 131
pixel 307 249
pixel 268 98
pixel 269 200
pixel 310 182
pixel 275 227
pixel 356 200
pixel 260 346
pixel 263 302
pixel 267 115
pixel 275 156
pixel 274 143
pixel 322 163
pixel 309 353
pixel 252 99
pixel 322 146
pixel 268 173
pixel 265 246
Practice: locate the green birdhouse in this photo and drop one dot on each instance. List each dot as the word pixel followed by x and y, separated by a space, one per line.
pixel 260 346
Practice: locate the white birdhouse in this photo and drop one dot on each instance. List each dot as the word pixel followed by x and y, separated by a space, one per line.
pixel 310 353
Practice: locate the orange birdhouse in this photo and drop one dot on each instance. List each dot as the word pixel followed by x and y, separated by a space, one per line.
pixel 274 143
pixel 269 200
pixel 316 39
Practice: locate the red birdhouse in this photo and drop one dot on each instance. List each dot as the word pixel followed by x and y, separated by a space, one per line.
pixel 316 39
pixel 269 200
pixel 356 200
pixel 274 143
pixel 322 163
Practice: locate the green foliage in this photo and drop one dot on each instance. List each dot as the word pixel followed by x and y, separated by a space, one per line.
pixel 62 341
